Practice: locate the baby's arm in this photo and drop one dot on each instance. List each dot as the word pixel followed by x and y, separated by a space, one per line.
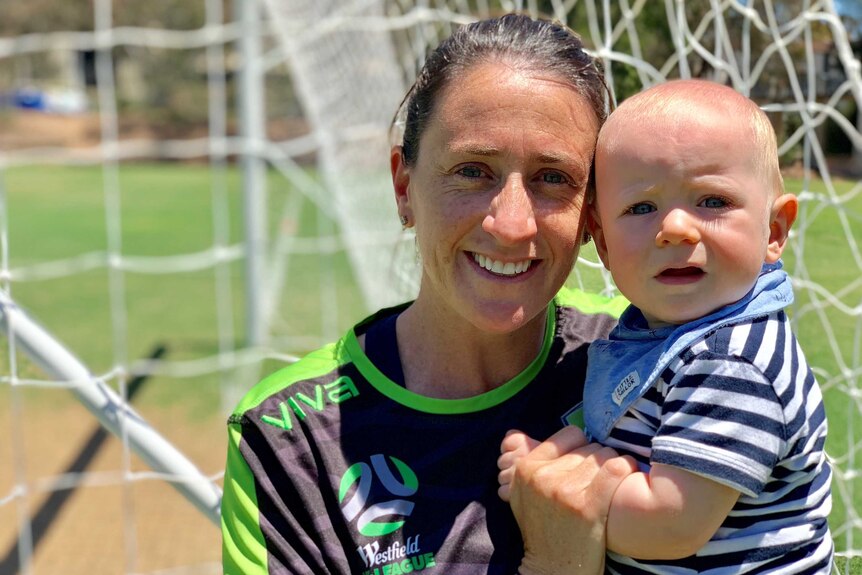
pixel 669 513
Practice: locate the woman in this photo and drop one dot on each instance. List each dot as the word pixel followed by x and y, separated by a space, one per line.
pixel 377 454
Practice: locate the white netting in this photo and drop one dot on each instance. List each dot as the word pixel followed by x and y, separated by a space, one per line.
pixel 116 255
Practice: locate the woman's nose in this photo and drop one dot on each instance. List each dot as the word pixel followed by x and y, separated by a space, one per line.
pixel 511 218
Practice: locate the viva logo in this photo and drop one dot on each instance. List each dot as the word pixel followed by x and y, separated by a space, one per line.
pixel 382 470
pixel 320 396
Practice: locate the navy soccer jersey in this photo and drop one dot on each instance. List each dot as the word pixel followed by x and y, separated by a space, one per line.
pixel 334 468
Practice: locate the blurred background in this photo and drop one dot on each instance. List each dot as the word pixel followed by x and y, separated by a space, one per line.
pixel 193 193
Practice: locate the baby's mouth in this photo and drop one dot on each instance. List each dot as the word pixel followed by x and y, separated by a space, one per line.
pixel 689 271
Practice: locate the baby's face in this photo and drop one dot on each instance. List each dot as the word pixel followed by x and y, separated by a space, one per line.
pixel 684 215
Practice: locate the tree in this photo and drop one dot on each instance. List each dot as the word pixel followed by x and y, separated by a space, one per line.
pixel 652 25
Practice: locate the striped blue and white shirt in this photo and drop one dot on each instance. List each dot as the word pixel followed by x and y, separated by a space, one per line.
pixel 739 405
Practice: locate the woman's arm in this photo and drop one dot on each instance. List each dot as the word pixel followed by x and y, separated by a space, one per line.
pixel 669 513
pixel 560 494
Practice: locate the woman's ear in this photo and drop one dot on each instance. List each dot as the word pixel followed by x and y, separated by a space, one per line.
pixel 784 210
pixel 594 227
pixel 401 183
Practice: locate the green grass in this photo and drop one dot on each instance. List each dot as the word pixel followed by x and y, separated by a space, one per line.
pixel 849 565
pixel 58 213
pixel 832 340
pixel 167 209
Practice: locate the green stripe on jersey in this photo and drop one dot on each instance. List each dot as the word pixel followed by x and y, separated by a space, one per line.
pixel 328 358
pixel 452 406
pixel 243 545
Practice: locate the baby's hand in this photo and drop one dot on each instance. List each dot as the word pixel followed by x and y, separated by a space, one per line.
pixel 514 446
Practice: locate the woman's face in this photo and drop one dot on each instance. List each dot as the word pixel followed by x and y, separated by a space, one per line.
pixel 496 194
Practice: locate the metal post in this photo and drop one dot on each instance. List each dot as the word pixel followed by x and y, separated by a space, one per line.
pixel 114 414
pixel 252 113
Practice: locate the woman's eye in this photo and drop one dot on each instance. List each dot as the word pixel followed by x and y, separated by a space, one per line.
pixel 470 172
pixel 714 203
pixel 553 178
pixel 640 209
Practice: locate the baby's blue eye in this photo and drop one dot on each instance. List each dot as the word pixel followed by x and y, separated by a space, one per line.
pixel 470 172
pixel 553 178
pixel 640 209
pixel 714 203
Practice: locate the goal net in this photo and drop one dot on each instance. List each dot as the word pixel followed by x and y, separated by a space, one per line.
pixel 798 60
pixel 192 196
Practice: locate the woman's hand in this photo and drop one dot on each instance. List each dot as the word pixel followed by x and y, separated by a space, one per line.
pixel 560 493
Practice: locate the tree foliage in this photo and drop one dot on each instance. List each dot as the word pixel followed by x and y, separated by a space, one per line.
pixel 41 16
pixel 715 34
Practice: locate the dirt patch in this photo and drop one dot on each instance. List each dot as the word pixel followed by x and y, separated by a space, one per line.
pixel 29 129
pixel 109 522
pixel 25 129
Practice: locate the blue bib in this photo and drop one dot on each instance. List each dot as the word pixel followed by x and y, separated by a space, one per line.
pixel 622 368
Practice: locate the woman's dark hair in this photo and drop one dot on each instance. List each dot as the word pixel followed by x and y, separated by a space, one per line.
pixel 527 43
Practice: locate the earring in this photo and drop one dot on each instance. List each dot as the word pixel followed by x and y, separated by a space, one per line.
pixel 586 238
pixel 404 222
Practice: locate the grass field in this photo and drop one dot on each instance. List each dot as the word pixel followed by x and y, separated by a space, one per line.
pixel 167 209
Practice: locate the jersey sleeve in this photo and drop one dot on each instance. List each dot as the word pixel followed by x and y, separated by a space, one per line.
pixel 722 420
pixel 243 547
pixel 264 530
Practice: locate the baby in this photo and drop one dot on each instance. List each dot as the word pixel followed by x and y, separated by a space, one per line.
pixel 702 381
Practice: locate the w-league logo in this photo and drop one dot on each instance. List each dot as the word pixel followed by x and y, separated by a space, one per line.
pixel 361 478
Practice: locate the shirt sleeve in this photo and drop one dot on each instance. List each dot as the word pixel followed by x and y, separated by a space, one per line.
pixel 243 547
pixel 723 420
pixel 264 528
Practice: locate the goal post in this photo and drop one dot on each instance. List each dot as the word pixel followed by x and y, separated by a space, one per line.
pixel 112 411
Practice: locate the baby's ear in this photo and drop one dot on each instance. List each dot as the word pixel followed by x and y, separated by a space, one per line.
pixel 594 227
pixel 784 211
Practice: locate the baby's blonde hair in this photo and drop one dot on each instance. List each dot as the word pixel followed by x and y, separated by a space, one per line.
pixel 667 100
